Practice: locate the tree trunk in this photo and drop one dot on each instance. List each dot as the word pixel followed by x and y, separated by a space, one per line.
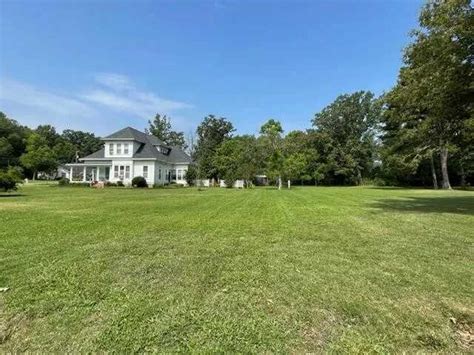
pixel 433 172
pixel 444 168
pixel 279 183
pixel 34 175
pixel 359 177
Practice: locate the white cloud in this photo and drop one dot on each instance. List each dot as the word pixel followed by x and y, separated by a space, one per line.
pixel 111 102
pixel 27 95
pixel 113 81
pixel 119 94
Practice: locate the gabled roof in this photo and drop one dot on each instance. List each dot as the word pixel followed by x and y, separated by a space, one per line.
pixel 96 155
pixel 147 148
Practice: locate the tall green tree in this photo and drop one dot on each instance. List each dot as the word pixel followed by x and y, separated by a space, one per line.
pixel 433 96
pixel 12 141
pixel 161 128
pixel 300 146
pixel 237 158
pixel 84 143
pixel 271 135
pixel 39 156
pixel 349 125
pixel 211 133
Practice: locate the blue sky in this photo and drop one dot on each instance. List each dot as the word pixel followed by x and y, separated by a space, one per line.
pixel 99 65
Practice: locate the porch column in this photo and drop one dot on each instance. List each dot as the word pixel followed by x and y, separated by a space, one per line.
pixel 84 175
pixel 98 174
pixel 70 173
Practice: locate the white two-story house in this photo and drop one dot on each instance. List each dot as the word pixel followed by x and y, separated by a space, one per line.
pixel 129 153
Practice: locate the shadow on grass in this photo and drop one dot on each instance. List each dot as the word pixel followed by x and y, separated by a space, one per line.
pixel 450 204
pixel 457 188
pixel 11 195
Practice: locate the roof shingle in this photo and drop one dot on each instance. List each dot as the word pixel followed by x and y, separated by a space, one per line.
pixel 147 149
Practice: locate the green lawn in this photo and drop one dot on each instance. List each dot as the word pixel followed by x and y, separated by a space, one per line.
pixel 301 270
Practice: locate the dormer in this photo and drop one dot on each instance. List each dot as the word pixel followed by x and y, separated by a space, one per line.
pixel 162 149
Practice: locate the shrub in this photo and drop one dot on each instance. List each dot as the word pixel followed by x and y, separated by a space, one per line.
pixel 10 179
pixel 109 183
pixel 191 175
pixel 139 181
pixel 80 184
pixel 63 181
pixel 120 183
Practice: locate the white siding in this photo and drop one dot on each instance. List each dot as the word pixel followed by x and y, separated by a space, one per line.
pixel 161 180
pixel 183 168
pixel 138 170
pixel 131 149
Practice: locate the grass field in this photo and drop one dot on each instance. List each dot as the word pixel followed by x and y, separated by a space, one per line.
pixel 301 270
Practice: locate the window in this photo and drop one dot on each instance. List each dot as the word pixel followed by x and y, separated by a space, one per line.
pixel 145 172
pixel 173 174
pixel 125 148
pixel 111 149
pixel 127 172
pixel 180 174
pixel 121 169
pixel 119 148
pixel 116 171
pixel 159 174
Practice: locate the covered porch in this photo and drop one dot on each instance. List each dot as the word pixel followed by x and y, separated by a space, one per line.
pixel 84 172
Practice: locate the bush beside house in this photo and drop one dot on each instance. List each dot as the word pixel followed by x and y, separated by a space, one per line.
pixel 139 181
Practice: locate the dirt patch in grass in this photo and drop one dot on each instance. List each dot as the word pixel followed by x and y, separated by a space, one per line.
pixel 10 327
pixel 464 332
pixel 316 337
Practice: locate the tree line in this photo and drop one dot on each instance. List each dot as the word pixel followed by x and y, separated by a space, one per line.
pixel 420 133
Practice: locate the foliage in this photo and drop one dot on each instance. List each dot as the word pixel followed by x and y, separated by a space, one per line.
pixel 39 155
pixel 212 132
pixel 80 184
pixel 12 141
pixel 160 127
pixel 63 181
pixel 349 126
pixel 9 179
pixel 191 174
pixel 139 181
pixel 237 158
pixel 294 166
pixel 120 183
pixel 271 141
pixel 428 108
pixel 83 143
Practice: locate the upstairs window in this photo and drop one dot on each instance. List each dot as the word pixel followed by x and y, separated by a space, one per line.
pixel 119 148
pixel 111 149
pixel 145 172
pixel 126 148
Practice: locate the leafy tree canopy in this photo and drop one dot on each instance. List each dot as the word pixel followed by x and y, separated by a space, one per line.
pixel 160 127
